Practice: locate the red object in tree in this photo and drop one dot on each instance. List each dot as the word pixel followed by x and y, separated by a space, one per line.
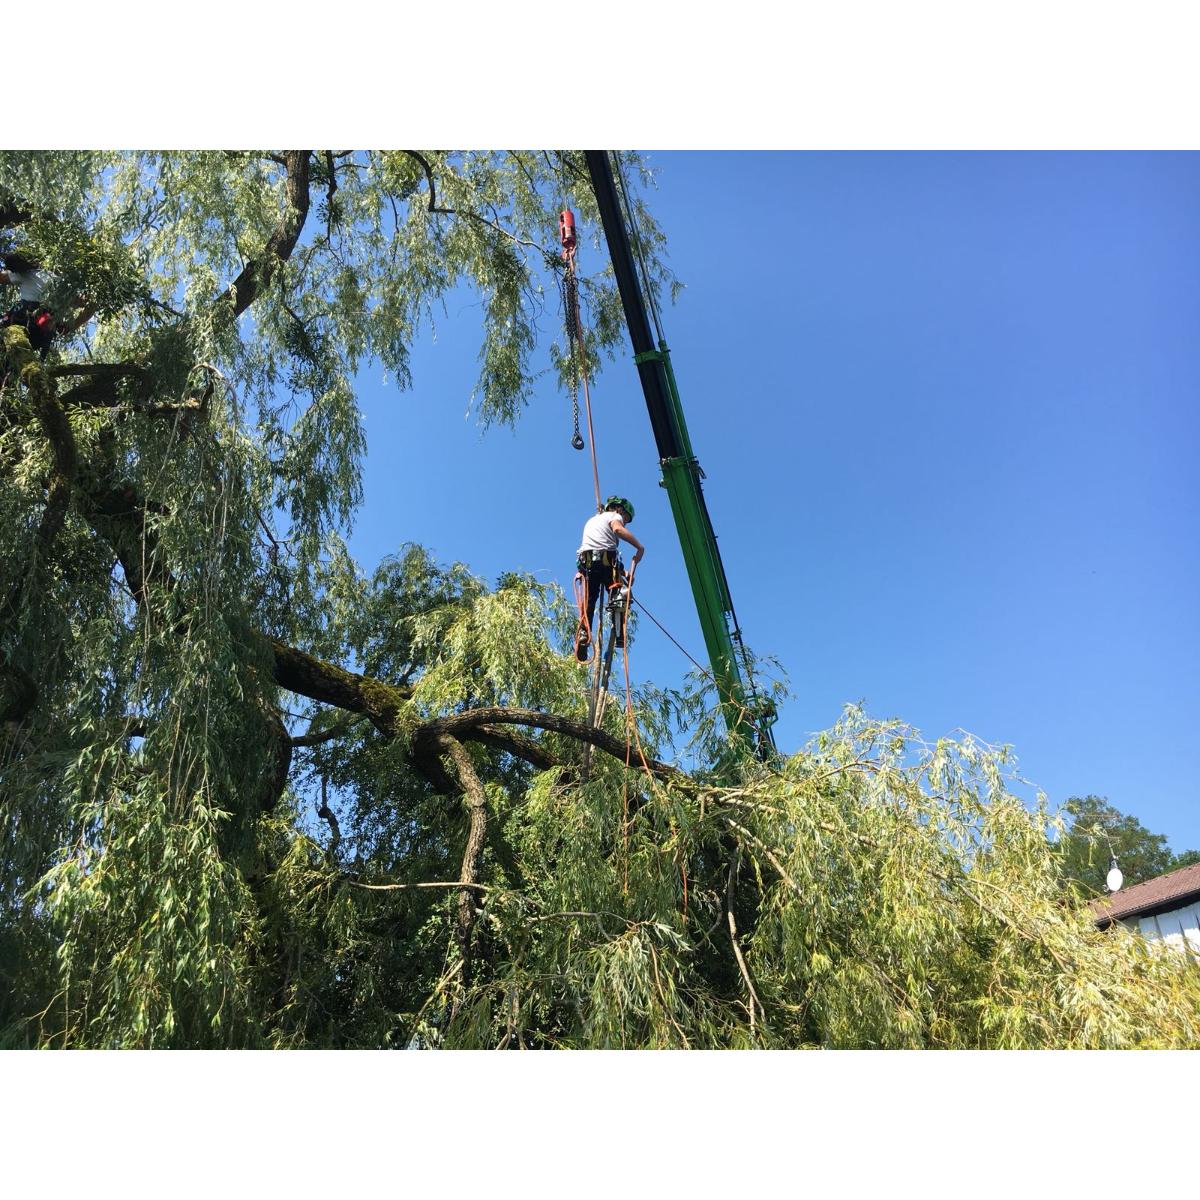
pixel 566 231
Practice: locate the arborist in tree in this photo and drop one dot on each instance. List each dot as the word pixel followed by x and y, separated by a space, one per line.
pixel 30 311
pixel 600 568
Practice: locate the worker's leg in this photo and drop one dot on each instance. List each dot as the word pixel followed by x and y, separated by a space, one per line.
pixel 598 577
pixel 618 599
pixel 594 580
pixel 583 637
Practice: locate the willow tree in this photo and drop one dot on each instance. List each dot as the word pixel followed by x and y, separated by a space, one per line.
pixel 254 796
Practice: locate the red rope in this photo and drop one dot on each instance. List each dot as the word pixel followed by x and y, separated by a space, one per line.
pixel 581 600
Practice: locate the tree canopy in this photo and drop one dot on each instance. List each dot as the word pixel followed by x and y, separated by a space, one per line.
pixel 253 795
pixel 1098 831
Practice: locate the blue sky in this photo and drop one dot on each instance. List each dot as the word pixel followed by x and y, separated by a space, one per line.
pixel 947 408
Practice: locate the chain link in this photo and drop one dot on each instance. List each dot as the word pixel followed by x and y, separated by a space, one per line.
pixel 570 298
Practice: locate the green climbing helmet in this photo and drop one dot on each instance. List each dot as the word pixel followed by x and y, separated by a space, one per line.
pixel 619 502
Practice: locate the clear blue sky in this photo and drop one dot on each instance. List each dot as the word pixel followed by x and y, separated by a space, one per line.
pixel 947 407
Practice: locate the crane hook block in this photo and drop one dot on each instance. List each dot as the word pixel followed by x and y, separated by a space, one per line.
pixel 577 441
pixel 566 231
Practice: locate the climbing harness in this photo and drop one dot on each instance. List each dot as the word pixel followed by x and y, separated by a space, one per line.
pixel 37 321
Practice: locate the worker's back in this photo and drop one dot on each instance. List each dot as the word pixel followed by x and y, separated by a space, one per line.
pixel 598 533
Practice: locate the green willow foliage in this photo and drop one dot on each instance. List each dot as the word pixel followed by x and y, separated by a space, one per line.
pixel 191 663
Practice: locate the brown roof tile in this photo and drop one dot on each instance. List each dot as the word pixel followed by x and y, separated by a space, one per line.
pixel 1178 886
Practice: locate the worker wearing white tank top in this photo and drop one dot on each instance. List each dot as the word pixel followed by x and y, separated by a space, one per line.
pixel 599 563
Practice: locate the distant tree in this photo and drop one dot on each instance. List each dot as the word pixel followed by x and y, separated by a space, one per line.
pixel 1098 830
pixel 1186 858
pixel 251 795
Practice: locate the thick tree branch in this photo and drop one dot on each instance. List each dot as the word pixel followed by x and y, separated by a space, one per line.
pixel 476 799
pixel 752 999
pixel 99 389
pixel 12 214
pixel 460 725
pixel 309 676
pixel 326 735
pixel 381 703
pixel 259 272
pixel 116 515
pixel 55 426
pixel 281 755
pixel 514 743
pixel 18 694
pixel 330 817
pixel 408 887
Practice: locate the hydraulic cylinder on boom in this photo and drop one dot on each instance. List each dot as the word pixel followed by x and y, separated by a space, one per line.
pixel 748 717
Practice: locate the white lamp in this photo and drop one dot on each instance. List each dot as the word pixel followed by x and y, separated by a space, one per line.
pixel 1115 878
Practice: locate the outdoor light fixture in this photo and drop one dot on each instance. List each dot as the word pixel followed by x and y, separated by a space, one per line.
pixel 1115 878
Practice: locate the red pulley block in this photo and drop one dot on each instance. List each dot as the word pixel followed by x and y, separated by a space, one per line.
pixel 566 231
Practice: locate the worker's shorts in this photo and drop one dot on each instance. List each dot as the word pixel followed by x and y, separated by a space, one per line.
pixel 601 570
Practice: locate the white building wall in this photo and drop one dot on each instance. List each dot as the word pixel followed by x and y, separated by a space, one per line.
pixel 1179 928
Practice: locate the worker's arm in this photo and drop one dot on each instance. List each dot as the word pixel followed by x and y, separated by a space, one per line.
pixel 618 527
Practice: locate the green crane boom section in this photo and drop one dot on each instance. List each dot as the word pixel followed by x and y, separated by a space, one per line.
pixel 747 718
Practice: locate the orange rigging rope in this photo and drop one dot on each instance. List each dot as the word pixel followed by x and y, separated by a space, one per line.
pixel 566 225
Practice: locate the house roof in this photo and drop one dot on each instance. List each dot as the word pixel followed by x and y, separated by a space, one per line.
pixel 1165 891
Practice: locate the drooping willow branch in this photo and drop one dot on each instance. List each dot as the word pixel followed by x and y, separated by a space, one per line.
pixel 435 208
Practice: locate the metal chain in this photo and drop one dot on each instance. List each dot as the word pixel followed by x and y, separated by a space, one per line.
pixel 570 307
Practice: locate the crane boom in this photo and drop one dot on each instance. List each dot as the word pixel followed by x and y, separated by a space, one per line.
pixel 747 717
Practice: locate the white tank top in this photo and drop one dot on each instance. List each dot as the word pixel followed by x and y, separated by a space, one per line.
pixel 31 284
pixel 598 534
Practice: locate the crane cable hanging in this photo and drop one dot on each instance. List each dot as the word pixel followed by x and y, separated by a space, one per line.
pixel 577 357
pixel 620 609
pixel 602 663
pixel 576 346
